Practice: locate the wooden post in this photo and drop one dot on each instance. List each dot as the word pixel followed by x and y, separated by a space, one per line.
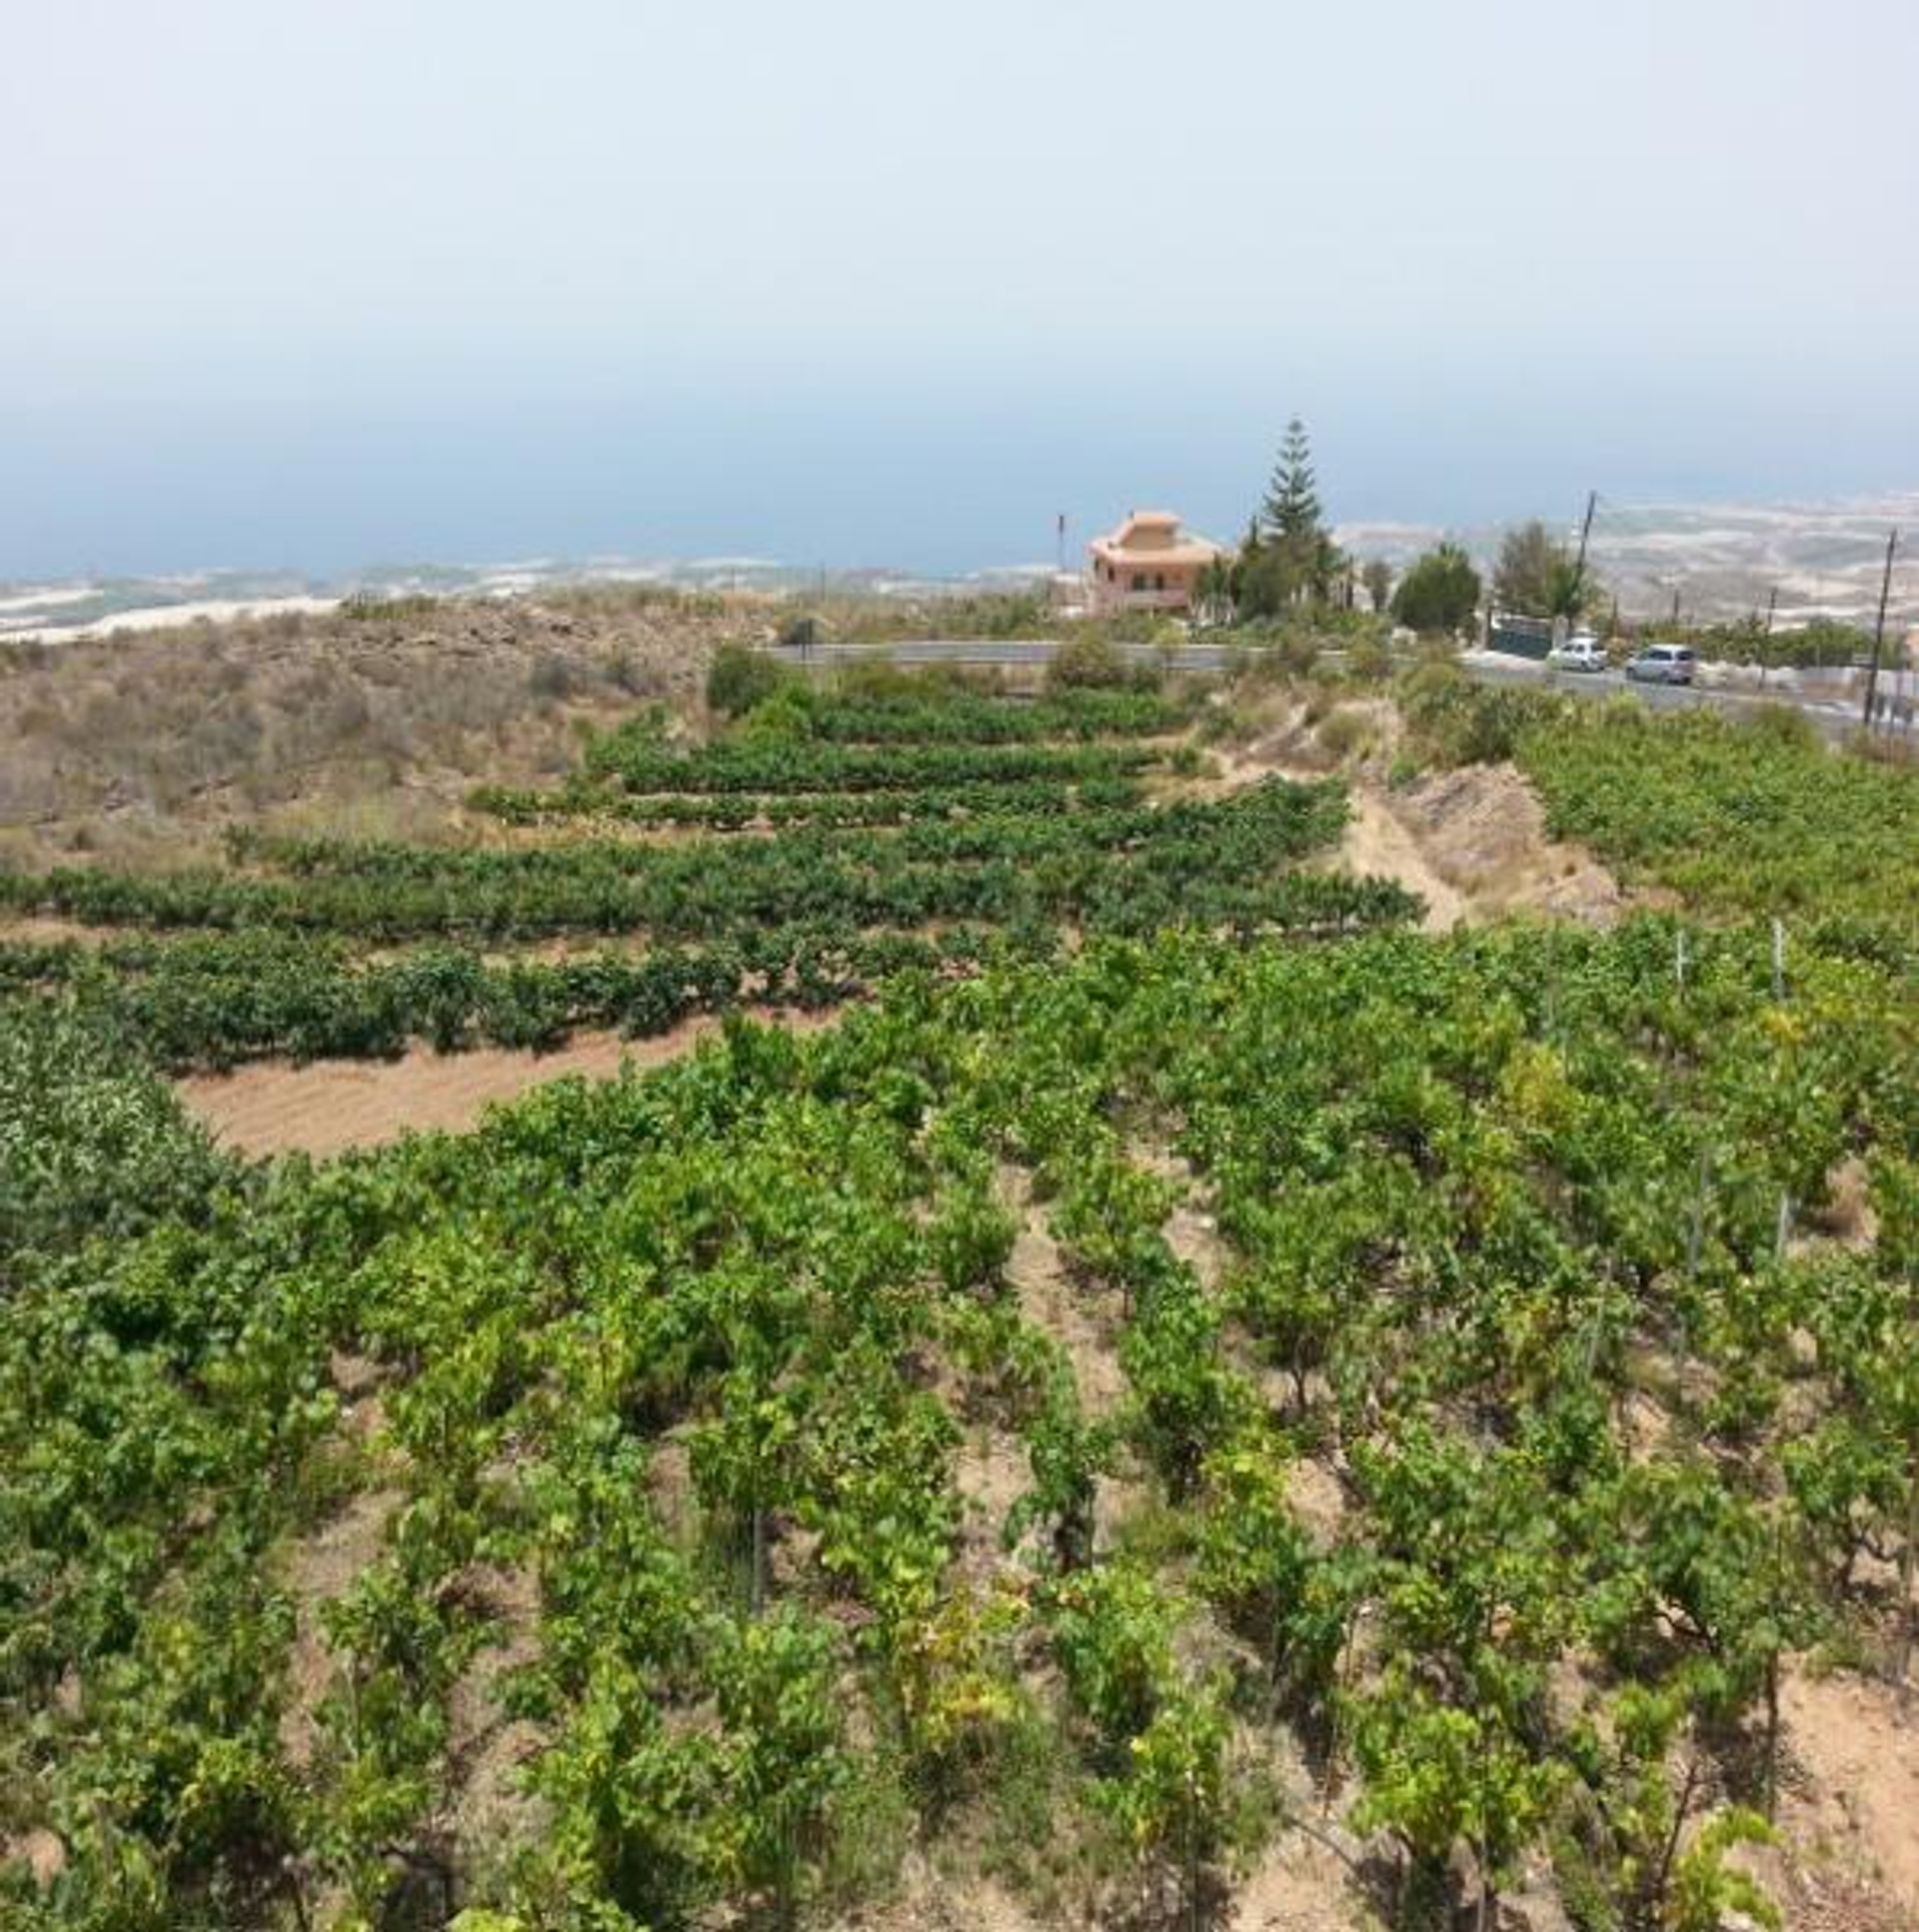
pixel 1908 1611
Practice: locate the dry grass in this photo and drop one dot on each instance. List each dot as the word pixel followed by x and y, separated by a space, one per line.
pixel 142 746
pixel 1348 732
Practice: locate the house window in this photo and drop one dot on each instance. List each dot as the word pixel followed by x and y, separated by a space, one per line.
pixel 1138 580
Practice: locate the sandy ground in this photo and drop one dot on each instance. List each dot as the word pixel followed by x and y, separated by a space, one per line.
pixel 47 929
pixel 1472 843
pixel 929 1901
pixel 1857 1755
pixel 329 1105
pixel 1378 845
pixel 1483 831
pixel 1071 1313
pixel 319 1570
pixel 169 617
pixel 1298 1885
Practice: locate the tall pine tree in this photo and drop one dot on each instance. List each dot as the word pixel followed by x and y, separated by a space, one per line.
pixel 1292 509
pixel 1293 558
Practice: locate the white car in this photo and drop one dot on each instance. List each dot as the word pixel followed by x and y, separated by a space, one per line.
pixel 1662 664
pixel 1583 652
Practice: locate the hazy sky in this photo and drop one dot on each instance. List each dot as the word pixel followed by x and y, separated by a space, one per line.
pixel 326 281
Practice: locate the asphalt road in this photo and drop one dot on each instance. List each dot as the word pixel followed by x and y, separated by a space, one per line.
pixel 1488 667
pixel 1494 667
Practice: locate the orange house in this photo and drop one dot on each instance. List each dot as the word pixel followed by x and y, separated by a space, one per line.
pixel 1148 564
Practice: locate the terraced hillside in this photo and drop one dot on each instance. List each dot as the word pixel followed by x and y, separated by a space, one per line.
pixel 794 859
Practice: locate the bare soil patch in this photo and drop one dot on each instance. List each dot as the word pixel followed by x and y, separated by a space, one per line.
pixel 487 1807
pixel 42 1852
pixel 1855 1801
pixel 1472 843
pixel 1192 1230
pixel 1299 1885
pixel 931 1901
pixel 1482 829
pixel 669 1482
pixel 326 1107
pixel 1380 846
pixel 1318 1497
pixel 1847 1217
pixel 1376 844
pixel 45 928
pixel 1300 1881
pixel 992 1473
pixel 1052 1299
pixel 319 1568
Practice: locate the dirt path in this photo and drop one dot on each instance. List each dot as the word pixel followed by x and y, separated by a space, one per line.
pixel 1052 1301
pixel 319 1570
pixel 329 1105
pixel 46 929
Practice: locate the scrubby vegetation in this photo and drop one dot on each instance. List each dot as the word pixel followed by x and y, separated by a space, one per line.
pixel 377 716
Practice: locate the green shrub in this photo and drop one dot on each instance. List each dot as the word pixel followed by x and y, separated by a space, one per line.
pixel 1786 727
pixel 741 678
pixel 1370 660
pixel 367 607
pixel 785 716
pixel 1455 722
pixel 1345 731
pixel 1090 662
pixel 91 1142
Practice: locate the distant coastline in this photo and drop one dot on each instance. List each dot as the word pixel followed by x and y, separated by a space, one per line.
pixel 1720 560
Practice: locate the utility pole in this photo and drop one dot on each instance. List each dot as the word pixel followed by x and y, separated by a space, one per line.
pixel 1765 647
pixel 1879 629
pixel 1585 535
